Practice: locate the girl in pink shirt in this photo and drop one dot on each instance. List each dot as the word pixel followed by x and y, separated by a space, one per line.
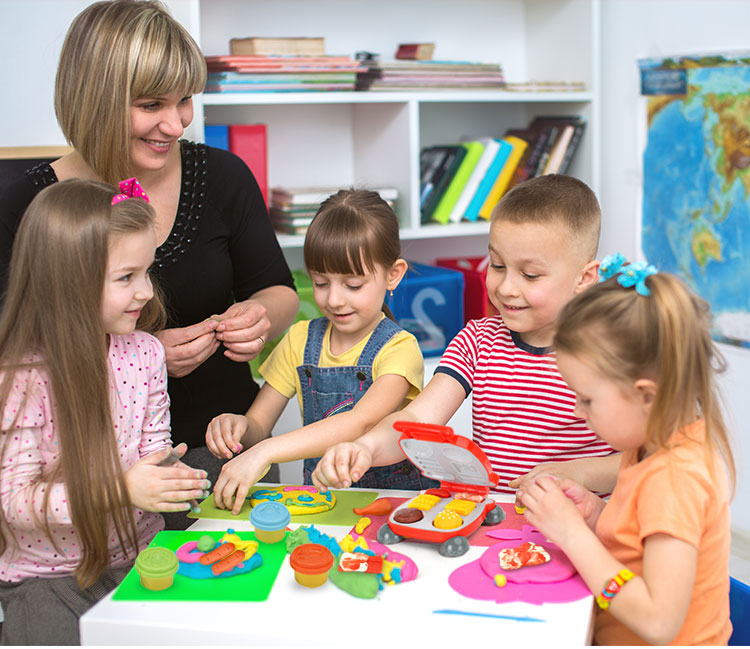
pixel 637 351
pixel 85 411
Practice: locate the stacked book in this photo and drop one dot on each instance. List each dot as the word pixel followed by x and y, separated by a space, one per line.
pixel 292 209
pixel 430 75
pixel 464 181
pixel 281 73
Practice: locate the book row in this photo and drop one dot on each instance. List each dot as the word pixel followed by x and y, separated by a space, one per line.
pixel 464 181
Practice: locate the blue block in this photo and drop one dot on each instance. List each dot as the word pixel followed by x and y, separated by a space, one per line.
pixel 429 303
pixel 217 136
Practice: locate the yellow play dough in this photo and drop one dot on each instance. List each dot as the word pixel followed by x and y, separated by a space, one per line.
pixel 297 499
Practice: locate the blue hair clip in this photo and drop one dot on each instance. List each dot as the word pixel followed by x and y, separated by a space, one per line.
pixel 611 265
pixel 634 274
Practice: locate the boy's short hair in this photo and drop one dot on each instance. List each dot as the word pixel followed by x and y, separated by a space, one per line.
pixel 555 198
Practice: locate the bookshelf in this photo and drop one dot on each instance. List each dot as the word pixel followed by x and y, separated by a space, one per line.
pixel 374 138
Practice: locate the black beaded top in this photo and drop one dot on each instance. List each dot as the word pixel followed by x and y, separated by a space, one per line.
pixel 192 199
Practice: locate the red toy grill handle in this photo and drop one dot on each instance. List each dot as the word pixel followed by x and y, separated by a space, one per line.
pixel 425 431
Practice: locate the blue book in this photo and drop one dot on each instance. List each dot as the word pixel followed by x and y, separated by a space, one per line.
pixel 217 136
pixel 485 185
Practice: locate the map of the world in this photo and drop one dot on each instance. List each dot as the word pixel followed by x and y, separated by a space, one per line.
pixel 696 191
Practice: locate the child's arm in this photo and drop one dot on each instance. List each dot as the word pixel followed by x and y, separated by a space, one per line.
pixel 228 434
pixel 346 463
pixel 385 395
pixel 652 605
pixel 594 473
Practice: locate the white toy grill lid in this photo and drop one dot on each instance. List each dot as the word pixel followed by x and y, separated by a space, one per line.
pixel 442 455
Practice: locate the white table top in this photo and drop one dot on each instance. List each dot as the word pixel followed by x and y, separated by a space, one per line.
pixel 327 616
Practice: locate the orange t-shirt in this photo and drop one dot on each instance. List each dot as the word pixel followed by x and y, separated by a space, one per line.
pixel 673 492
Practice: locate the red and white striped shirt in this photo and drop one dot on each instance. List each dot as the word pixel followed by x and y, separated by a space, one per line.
pixel 522 410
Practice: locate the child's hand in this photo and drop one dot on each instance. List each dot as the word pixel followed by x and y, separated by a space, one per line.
pixel 237 476
pixel 155 488
pixel 589 504
pixel 550 510
pixel 341 465
pixel 224 433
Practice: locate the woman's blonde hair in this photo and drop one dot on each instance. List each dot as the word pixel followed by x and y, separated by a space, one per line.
pixel 352 227
pixel 114 53
pixel 665 337
pixel 53 309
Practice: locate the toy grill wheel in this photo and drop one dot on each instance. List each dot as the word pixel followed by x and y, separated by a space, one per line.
pixel 494 516
pixel 455 547
pixel 387 536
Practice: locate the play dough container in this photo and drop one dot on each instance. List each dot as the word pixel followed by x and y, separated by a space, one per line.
pixel 311 563
pixel 156 567
pixel 270 520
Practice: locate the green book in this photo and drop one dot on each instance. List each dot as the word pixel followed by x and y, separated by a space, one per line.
pixel 443 211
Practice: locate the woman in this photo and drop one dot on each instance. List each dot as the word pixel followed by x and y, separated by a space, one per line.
pixel 123 90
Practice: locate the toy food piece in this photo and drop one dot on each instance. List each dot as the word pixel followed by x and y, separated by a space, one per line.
pixel 408 515
pixel 270 520
pixel 156 567
pixel 360 562
pixel 228 563
pixel 311 563
pixel 462 507
pixel 362 524
pixel 379 507
pixel 528 554
pixel 205 543
pixel 447 520
pixel 297 499
pixel 424 501
pixel 223 551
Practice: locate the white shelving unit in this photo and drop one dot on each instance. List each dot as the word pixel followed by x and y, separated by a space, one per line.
pixel 374 138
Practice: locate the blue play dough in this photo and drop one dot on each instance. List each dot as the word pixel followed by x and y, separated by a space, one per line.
pixel 199 571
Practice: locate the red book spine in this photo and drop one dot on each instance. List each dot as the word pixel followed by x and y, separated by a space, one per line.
pixel 248 142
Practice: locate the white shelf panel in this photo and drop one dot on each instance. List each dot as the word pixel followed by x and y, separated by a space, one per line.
pixel 443 96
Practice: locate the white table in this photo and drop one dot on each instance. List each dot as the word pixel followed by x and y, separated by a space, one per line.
pixel 327 616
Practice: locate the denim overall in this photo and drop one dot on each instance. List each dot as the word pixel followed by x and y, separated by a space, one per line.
pixel 328 391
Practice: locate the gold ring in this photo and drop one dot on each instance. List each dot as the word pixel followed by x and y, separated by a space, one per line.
pixel 262 342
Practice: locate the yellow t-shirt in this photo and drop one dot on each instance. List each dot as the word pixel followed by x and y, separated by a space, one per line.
pixel 673 492
pixel 400 355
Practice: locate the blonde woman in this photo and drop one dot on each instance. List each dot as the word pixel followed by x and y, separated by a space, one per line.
pixel 125 79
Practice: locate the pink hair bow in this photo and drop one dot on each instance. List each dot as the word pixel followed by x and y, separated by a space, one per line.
pixel 130 188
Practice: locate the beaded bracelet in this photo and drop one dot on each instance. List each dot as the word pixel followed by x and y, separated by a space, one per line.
pixel 612 587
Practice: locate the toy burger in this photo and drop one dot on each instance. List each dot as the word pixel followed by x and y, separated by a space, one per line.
pixel 450 513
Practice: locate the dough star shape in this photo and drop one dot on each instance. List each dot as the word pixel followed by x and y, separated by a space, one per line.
pixel 299 499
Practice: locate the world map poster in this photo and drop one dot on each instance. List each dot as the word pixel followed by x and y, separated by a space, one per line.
pixel 696 181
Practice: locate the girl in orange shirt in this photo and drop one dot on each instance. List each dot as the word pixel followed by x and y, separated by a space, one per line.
pixel 637 351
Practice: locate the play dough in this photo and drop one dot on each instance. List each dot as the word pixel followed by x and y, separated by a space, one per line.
pixel 297 499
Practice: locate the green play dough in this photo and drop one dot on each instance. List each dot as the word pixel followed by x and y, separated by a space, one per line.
pixel 296 538
pixel 206 543
pixel 359 584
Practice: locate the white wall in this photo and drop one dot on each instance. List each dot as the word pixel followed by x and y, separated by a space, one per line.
pixel 633 29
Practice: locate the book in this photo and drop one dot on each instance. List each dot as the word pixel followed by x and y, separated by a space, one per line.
pixel 558 150
pixel 254 45
pixel 485 185
pixel 217 136
pixel 248 141
pixel 506 173
pixel 491 146
pixel 287 197
pixel 442 178
pixel 551 133
pixel 415 51
pixel 572 147
pixel 430 160
pixel 442 213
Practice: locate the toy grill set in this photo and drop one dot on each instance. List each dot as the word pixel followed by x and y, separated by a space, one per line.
pixel 450 513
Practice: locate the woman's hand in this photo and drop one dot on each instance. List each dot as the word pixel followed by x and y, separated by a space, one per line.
pixel 341 465
pixel 155 488
pixel 224 434
pixel 243 329
pixel 238 475
pixel 188 347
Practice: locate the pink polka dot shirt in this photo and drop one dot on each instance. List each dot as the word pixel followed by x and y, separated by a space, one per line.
pixel 140 413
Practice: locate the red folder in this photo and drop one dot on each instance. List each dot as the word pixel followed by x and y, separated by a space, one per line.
pixel 248 141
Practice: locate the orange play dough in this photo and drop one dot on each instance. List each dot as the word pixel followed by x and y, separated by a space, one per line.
pixel 379 507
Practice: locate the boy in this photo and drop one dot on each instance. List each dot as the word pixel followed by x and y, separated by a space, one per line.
pixel 543 239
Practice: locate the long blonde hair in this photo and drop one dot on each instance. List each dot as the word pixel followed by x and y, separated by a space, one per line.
pixel 664 336
pixel 114 53
pixel 53 310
